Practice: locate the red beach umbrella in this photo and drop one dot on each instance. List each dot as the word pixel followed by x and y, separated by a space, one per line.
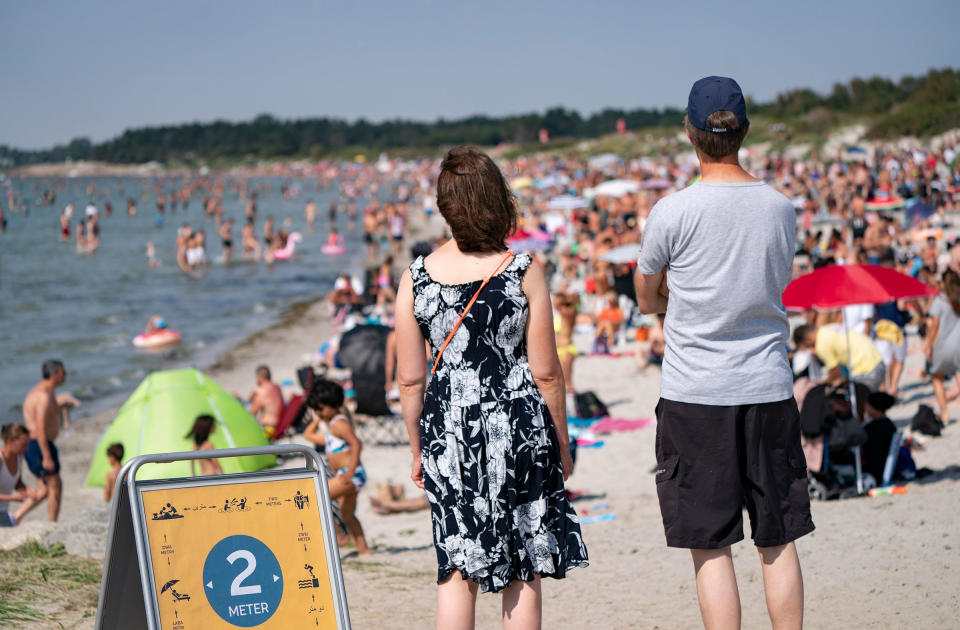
pixel 836 286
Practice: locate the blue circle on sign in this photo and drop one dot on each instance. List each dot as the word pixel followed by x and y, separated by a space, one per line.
pixel 242 581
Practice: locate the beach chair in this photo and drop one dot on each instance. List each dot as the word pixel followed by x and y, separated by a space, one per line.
pixel 892 455
pixel 375 422
pixel 827 418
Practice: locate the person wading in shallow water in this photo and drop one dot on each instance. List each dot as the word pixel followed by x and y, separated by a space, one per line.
pixel 716 257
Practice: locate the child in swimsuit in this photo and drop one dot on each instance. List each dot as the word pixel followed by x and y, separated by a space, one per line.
pixel 203 427
pixel 342 448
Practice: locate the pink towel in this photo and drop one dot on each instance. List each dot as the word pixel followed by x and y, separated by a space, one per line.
pixel 617 425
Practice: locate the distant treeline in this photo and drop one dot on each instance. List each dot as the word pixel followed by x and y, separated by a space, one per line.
pixel 913 106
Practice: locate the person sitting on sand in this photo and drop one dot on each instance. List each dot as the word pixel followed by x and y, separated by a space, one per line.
pixel 266 401
pixel 565 307
pixel 342 448
pixel 608 323
pixel 390 499
pixel 115 457
pixel 880 430
pixel 342 298
pixel 657 345
pixel 16 438
pixel 203 428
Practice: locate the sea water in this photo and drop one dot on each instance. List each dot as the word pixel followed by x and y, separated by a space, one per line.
pixel 85 309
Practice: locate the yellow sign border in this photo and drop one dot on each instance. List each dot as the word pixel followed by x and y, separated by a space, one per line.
pixel 328 539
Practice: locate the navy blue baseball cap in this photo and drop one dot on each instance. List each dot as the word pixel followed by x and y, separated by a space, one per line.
pixel 711 94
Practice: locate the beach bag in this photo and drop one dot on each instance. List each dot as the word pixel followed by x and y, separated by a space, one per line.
pixel 588 405
pixel 926 422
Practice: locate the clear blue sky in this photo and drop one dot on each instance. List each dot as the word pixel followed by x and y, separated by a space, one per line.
pixel 96 68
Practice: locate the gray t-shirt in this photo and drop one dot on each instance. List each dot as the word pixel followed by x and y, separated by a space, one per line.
pixel 728 250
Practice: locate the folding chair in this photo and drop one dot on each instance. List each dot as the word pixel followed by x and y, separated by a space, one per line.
pixel 375 422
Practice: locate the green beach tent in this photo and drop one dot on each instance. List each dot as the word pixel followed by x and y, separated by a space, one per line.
pixel 159 414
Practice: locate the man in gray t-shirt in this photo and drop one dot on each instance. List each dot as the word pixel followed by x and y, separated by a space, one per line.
pixel 728 250
pixel 716 258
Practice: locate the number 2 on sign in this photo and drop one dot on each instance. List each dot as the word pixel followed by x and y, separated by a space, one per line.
pixel 235 587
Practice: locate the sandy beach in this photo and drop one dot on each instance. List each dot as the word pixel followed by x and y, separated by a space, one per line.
pixel 886 562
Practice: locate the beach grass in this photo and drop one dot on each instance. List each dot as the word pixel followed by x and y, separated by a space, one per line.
pixel 39 582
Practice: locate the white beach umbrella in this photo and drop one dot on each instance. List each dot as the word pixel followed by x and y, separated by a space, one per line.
pixel 567 202
pixel 612 188
pixel 622 254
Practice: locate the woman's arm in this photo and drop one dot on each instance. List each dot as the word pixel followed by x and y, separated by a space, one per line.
pixel 411 369
pixel 411 362
pixel 311 434
pixel 542 354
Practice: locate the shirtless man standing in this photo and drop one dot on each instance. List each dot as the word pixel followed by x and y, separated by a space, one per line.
pixel 268 399
pixel 41 414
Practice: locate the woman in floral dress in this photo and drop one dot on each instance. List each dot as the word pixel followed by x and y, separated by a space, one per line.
pixel 488 430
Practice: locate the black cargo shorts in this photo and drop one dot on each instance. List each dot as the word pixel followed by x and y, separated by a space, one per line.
pixel 713 461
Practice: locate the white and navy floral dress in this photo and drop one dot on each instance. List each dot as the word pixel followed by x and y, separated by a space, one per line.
pixel 491 463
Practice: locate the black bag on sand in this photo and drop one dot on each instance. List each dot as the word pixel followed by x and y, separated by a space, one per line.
pixel 926 422
pixel 589 406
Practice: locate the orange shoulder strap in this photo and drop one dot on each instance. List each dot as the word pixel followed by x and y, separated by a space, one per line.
pixel 436 360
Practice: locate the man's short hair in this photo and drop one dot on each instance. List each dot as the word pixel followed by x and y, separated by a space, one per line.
pixel 263 372
pixel 800 335
pixel 718 145
pixel 51 367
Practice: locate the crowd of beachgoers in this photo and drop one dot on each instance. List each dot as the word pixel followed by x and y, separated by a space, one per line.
pixel 584 219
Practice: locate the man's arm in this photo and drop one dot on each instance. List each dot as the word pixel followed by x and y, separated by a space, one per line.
pixel 651 292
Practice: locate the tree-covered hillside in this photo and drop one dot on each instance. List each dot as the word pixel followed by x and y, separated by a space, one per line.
pixel 911 106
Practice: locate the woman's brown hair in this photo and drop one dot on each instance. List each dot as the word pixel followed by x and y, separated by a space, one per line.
pixel 475 200
pixel 951 288
pixel 12 431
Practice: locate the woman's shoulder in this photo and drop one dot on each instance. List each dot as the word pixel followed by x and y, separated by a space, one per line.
pixel 417 270
pixel 520 262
